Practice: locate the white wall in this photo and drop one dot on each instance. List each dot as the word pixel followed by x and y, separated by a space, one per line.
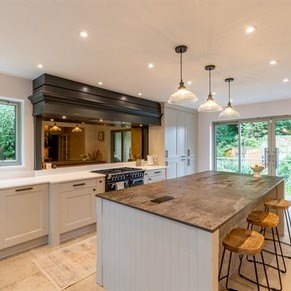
pixel 205 138
pixel 18 88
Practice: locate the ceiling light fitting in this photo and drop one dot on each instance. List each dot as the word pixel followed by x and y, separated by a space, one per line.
pixel 77 129
pixel 229 112
pixel 250 29
pixel 55 128
pixel 210 105
pixel 182 96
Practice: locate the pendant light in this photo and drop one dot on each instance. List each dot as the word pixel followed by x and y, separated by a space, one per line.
pixel 210 105
pixel 229 112
pixel 77 129
pixel 55 128
pixel 182 96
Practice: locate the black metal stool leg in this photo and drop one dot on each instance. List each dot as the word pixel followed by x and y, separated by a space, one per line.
pixel 228 270
pixel 256 272
pixel 282 255
pixel 221 264
pixel 265 271
pixel 277 260
pixel 288 222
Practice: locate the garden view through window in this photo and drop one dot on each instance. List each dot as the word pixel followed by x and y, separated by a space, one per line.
pixel 8 132
pixel 240 145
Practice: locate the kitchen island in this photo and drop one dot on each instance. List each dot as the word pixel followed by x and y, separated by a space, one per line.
pixel 174 245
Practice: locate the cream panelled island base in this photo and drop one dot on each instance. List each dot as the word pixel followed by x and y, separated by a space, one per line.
pixel 166 236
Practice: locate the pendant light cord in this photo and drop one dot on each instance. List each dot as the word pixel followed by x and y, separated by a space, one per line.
pixel 181 65
pixel 229 92
pixel 209 82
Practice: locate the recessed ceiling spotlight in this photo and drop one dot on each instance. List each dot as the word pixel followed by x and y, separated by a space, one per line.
pixel 83 34
pixel 101 119
pixel 64 117
pixel 40 66
pixel 250 29
pixel 285 80
pixel 100 83
pixel 150 65
pixel 52 119
pixel 189 83
pixel 273 62
pixel 139 94
pixel 140 125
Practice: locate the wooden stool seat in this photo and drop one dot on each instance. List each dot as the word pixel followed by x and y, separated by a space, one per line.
pixel 281 204
pixel 244 241
pixel 263 219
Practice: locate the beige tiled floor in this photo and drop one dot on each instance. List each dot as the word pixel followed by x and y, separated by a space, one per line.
pixel 18 273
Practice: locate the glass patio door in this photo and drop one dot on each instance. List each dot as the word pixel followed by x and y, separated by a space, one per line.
pixel 282 152
pixel 255 147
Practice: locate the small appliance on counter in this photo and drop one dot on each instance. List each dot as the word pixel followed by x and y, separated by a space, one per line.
pixel 120 178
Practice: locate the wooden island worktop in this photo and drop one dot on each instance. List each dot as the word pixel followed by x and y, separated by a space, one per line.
pixel 174 245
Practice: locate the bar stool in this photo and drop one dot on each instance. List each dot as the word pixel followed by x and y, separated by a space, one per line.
pixel 281 204
pixel 268 220
pixel 243 242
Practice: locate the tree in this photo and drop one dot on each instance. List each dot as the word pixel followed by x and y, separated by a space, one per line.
pixel 7 132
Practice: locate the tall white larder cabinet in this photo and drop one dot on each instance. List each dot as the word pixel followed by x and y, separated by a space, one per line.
pixel 175 141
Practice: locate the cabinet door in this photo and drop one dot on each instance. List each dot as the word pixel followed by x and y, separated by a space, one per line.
pixel 191 168
pixel 173 168
pixel 191 129
pixel 23 214
pixel 171 123
pixel 77 208
pixel 182 137
pixel 182 167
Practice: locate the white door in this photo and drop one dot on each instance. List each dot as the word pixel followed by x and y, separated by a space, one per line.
pixel 171 133
pixel 173 168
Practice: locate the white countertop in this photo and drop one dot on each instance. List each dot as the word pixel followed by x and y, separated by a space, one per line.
pixel 59 177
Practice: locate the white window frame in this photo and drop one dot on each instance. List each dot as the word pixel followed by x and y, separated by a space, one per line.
pixel 18 142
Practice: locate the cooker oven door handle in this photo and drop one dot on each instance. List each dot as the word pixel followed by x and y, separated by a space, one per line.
pixel 136 181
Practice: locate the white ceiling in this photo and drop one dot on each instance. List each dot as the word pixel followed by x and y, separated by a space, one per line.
pixel 124 36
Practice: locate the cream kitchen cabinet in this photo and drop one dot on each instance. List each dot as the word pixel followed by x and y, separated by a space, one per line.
pixel 175 141
pixel 77 203
pixel 152 176
pixel 23 214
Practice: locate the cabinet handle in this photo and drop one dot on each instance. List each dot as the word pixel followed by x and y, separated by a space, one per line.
pixel 94 189
pixel 167 164
pixel 150 179
pixel 188 153
pixel 166 153
pixel 157 172
pixel 23 189
pixel 80 184
pixel 100 181
pixel 188 163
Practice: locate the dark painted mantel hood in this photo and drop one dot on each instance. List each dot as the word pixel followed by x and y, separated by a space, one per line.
pixel 54 97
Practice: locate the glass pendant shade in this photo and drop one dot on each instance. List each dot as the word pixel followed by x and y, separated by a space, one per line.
pixel 77 129
pixel 55 128
pixel 210 105
pixel 182 96
pixel 229 112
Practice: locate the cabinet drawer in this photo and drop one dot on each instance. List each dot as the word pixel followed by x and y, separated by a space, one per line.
pixel 77 185
pixel 24 189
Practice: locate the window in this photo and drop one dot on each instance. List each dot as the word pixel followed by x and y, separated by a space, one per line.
pixel 9 132
pixel 242 144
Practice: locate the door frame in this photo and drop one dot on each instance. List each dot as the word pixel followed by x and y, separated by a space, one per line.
pixel 271 152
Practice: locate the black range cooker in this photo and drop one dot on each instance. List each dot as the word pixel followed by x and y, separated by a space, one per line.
pixel 119 178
